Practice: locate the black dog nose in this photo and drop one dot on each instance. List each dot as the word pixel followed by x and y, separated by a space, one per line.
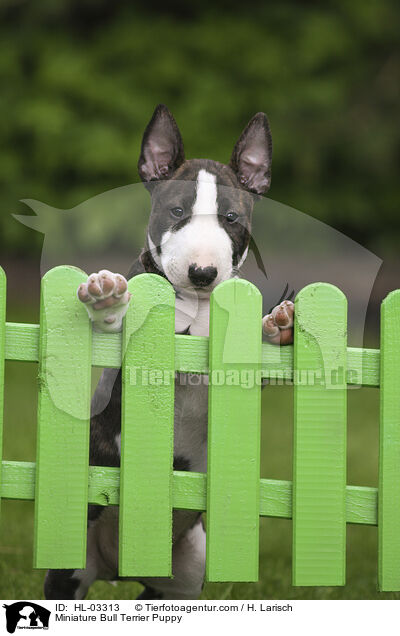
pixel 202 276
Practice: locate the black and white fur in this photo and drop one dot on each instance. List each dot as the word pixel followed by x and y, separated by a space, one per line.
pixel 198 236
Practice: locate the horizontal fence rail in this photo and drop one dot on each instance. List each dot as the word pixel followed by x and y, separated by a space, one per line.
pixel 189 492
pixel 191 354
pixel 319 501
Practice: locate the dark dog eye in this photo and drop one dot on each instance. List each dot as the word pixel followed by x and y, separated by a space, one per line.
pixel 177 212
pixel 231 217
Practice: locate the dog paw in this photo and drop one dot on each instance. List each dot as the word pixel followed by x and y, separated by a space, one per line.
pixel 106 298
pixel 278 325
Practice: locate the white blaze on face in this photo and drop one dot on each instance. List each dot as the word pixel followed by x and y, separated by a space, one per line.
pixel 202 241
pixel 206 194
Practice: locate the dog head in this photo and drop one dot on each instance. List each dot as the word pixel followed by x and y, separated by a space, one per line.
pixel 200 222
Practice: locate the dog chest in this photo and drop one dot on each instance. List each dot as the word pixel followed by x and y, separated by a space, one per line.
pixel 192 314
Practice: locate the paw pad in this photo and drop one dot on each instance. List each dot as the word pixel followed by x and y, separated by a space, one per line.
pixel 104 289
pixel 278 325
pixel 106 298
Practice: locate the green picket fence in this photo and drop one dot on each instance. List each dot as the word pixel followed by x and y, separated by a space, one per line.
pixel 146 488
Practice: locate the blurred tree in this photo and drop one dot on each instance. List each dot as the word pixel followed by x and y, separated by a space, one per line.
pixel 81 79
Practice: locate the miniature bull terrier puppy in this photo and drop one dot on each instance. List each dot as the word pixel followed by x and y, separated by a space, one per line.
pixel 198 236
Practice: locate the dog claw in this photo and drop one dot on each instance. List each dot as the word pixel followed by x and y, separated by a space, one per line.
pixel 278 325
pixel 106 298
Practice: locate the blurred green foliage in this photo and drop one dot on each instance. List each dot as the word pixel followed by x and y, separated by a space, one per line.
pixel 79 81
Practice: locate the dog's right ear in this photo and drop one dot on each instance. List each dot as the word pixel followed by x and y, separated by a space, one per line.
pixel 162 147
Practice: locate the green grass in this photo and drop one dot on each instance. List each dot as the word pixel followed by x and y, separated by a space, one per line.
pixel 19 581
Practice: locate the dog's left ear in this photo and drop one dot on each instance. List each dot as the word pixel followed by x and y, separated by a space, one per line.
pixel 162 147
pixel 252 155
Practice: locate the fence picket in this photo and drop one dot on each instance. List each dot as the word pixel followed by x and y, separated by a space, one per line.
pixel 319 470
pixel 3 290
pixel 145 518
pixel 389 457
pixel 233 433
pixel 63 423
